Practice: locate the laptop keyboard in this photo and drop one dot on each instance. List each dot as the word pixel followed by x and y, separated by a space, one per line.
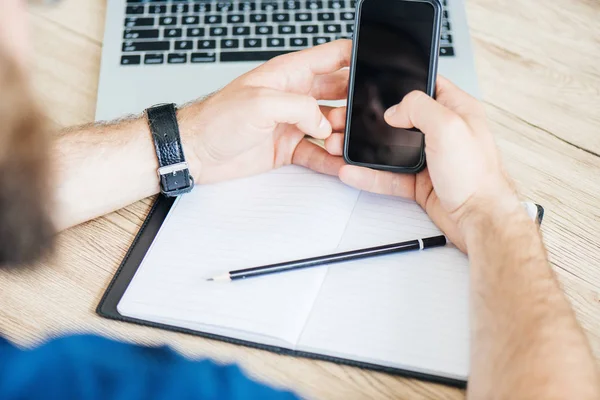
pixel 200 31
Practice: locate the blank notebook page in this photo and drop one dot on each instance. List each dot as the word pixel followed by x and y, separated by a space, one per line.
pixel 286 214
pixel 407 310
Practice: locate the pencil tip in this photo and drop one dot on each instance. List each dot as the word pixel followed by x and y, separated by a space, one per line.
pixel 210 279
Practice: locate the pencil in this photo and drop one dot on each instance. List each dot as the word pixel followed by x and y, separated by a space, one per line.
pixel 417 244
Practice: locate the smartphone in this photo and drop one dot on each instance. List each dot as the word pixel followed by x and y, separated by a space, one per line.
pixel 395 51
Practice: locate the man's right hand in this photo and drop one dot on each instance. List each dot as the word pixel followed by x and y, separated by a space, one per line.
pixel 464 175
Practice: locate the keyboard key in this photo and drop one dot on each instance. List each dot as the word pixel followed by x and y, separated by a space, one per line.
pixel 445 14
pixel 258 18
pixel 332 28
pixel 202 7
pixel 281 17
pixel 446 51
pixel 180 8
pixel 303 17
pixel 157 9
pixel 167 21
pixel 132 22
pixel 347 16
pixel 230 43
pixel 445 26
pixel 298 42
pixel 207 44
pixel 325 16
pixel 310 29
pixel 236 56
pixel 350 28
pixel 269 6
pixel 130 60
pixel 173 33
pixel 224 6
pixel 352 4
pixel 146 46
pixel 314 5
pixel 235 19
pixel 140 34
pixel 154 59
pixel 241 30
pixel 286 29
pixel 252 43
pixel 263 30
pixel 184 45
pixel 275 42
pixel 291 5
pixel 247 6
pixel 213 19
pixel 132 10
pixel 191 20
pixel 336 4
pixel 218 31
pixel 203 57
pixel 320 40
pixel 446 38
pixel 175 58
pixel 195 32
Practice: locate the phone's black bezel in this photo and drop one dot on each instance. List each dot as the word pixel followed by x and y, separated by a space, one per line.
pixel 433 66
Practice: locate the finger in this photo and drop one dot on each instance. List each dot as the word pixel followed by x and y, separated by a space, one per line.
pixel 311 156
pixel 325 58
pixel 332 86
pixel 334 144
pixel 421 111
pixel 336 117
pixel 457 100
pixel 381 182
pixel 304 65
pixel 278 107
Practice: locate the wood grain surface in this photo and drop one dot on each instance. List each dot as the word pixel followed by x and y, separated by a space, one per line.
pixel 538 65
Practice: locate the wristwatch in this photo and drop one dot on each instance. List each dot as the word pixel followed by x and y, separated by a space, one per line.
pixel 173 171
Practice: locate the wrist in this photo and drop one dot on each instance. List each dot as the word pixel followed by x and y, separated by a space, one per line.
pixel 190 129
pixel 485 215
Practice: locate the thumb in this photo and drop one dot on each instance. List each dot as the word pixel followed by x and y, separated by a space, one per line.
pixel 418 110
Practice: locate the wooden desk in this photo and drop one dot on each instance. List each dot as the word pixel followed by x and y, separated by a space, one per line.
pixel 539 68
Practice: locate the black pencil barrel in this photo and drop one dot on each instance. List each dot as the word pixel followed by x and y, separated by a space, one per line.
pixel 338 257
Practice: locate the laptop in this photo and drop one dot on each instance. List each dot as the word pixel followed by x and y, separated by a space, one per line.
pixel 163 51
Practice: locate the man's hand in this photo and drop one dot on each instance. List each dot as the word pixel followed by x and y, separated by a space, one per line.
pixel 463 173
pixel 259 121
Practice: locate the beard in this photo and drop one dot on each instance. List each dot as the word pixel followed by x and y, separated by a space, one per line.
pixel 26 231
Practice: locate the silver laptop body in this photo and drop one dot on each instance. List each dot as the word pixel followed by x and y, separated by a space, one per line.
pixel 179 50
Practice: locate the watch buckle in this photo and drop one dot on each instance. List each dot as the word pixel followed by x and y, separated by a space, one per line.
pixel 172 169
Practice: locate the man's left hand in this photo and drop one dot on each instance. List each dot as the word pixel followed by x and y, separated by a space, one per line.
pixel 259 121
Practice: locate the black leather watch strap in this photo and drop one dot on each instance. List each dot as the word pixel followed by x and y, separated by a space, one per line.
pixel 175 178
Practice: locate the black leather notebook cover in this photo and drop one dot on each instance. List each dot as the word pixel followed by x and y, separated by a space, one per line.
pixel 108 304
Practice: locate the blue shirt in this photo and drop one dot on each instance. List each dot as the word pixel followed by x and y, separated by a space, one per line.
pixel 91 367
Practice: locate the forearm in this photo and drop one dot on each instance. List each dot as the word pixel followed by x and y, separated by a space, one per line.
pixel 520 318
pixel 101 168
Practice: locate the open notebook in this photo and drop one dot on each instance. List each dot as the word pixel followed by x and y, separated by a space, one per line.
pixel 406 311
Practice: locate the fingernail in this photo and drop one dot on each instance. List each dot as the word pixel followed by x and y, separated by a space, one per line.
pixel 324 123
pixel 391 111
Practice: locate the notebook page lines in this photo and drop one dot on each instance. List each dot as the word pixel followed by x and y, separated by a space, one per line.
pixel 408 310
pixel 286 214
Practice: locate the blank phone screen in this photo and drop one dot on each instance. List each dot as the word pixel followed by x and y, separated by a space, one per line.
pixel 393 57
